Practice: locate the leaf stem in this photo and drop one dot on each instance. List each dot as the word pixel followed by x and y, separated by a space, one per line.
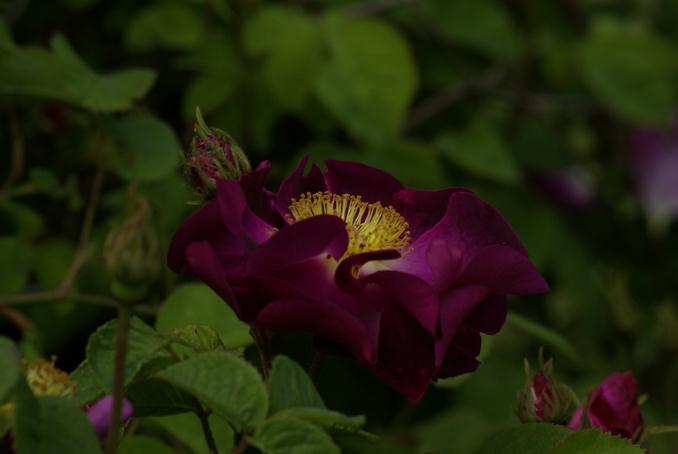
pixel 207 432
pixel 124 315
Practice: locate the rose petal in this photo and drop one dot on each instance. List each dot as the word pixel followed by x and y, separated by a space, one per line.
pixel 101 411
pixel 460 357
pixel 373 185
pixel 205 264
pixel 296 184
pixel 300 241
pixel 489 316
pixel 422 209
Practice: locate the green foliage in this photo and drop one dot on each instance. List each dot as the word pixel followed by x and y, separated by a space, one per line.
pixel 170 25
pixel 197 304
pixel 290 387
pixel 15 261
pixel 631 71
pixel 281 435
pixel 140 444
pixel 545 335
pixel 533 438
pixel 187 429
pixel 10 366
pixel 228 385
pixel 358 84
pixel 594 441
pixel 144 148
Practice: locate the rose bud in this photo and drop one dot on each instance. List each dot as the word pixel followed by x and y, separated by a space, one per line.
pixel 214 156
pixel 543 399
pixel 131 252
pixel 612 407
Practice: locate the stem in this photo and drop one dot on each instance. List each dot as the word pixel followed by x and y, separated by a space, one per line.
pixel 260 337
pixel 207 432
pixel 124 314
pixel 241 446
pixel 85 298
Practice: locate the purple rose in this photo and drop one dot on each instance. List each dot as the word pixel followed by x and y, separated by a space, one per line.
pixel 655 171
pixel 100 412
pixel 612 407
pixel 402 280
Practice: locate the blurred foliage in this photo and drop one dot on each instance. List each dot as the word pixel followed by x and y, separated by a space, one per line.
pixel 98 97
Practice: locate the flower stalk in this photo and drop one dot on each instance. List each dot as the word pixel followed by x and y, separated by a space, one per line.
pixel 124 316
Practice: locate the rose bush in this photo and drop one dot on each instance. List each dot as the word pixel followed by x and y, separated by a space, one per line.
pixel 401 279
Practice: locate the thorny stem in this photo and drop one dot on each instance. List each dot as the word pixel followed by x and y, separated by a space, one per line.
pixel 207 432
pixel 260 337
pixel 124 314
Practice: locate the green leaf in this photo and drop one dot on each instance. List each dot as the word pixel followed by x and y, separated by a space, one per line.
pixel 466 427
pixel 62 76
pixel 200 338
pixel 533 438
pixel 186 428
pixel 143 345
pixel 197 304
pixel 291 43
pixel 543 334
pixel 280 435
pixel 631 71
pixel 227 384
pixel 52 261
pixel 290 386
pixel 594 441
pixel 26 221
pixel 154 397
pixel 168 25
pixel 87 385
pixel 51 424
pixel 141 444
pixel 481 151
pixel 145 148
pixel 10 366
pixel 328 419
pixel 370 79
pixel 15 262
pixel 482 25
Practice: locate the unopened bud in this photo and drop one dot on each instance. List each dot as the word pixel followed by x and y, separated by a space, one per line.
pixel 214 156
pixel 131 252
pixel 544 399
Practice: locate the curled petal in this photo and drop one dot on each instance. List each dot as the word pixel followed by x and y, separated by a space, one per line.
pixel 296 184
pixel 503 270
pixel 298 242
pixel 348 271
pixel 422 209
pixel 373 185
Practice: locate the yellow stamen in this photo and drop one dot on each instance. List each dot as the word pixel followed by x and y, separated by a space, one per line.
pixel 46 380
pixel 370 226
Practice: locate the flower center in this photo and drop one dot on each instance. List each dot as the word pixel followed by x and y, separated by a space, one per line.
pixel 370 226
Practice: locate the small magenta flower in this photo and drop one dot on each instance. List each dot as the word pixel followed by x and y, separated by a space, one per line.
pixel 402 280
pixel 101 411
pixel 655 166
pixel 612 407
pixel 214 156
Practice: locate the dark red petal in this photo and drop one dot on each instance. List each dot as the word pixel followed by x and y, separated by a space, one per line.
pixel 412 294
pixel 455 307
pixel 205 265
pixel 405 354
pixel 422 209
pixel 261 201
pixel 460 357
pixel 300 241
pixel 348 271
pixel 296 184
pixel 489 316
pixel 326 321
pixel 373 185
pixel 503 270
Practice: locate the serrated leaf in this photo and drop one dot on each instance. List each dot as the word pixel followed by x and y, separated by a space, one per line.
pixel 290 41
pixel 481 151
pixel 282 435
pixel 329 420
pixel 290 386
pixel 186 428
pixel 197 304
pixel 594 441
pixel 10 366
pixel 370 79
pixel 631 71
pixel 143 346
pixel 200 338
pixel 532 438
pixel 228 385
pixel 144 148
pixel 87 386
pixel 154 397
